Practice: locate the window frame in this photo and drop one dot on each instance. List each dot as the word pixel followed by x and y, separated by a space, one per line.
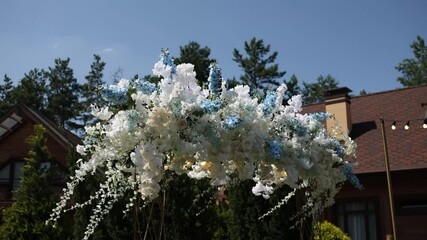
pixel 376 211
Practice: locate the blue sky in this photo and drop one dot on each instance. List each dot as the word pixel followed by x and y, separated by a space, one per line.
pixel 357 42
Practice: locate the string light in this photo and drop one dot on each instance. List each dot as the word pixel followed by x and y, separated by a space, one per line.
pixel 393 126
pixel 398 123
pixel 407 125
pixel 425 121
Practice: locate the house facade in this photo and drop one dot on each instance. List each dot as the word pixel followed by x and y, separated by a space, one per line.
pixel 366 214
pixel 15 127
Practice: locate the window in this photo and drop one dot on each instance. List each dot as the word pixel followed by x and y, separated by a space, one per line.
pixel 11 174
pixel 358 219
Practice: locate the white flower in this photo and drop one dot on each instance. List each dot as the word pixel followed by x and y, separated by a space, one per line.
pixel 103 113
pixel 81 149
pixel 261 189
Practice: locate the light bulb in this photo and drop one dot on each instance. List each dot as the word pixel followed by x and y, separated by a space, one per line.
pixel 393 126
pixel 407 126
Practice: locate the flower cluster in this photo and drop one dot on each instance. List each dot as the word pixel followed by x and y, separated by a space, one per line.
pixel 206 133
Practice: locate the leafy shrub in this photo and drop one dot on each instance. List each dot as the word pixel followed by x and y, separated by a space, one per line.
pixel 328 231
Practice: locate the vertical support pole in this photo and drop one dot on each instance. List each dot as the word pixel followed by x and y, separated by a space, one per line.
pixel 387 170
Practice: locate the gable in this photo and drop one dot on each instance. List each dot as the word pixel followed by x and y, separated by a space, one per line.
pixel 19 125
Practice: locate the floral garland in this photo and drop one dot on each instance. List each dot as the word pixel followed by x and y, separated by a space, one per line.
pixel 205 133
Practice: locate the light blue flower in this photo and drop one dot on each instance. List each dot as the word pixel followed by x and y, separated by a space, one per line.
pixel 232 122
pixel 321 116
pixel 269 103
pixel 167 60
pixel 214 79
pixel 351 177
pixel 297 127
pixel 274 149
pixel 336 146
pixel 114 94
pixel 146 87
pixel 210 106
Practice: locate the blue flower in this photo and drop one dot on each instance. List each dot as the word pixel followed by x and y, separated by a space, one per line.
pixel 210 106
pixel 269 103
pixel 321 116
pixel 274 149
pixel 232 122
pixel 351 177
pixel 114 94
pixel 167 60
pixel 336 146
pixel 146 87
pixel 214 79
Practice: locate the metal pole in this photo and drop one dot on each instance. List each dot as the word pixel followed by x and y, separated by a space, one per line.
pixel 390 190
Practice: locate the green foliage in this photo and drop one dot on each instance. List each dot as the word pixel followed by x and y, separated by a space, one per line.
pixel 91 91
pixel 328 231
pixel 363 92
pixel 189 212
pixel 32 90
pixel 414 70
pixel 6 100
pixel 34 197
pixel 63 95
pixel 193 53
pixel 293 88
pixel 246 208
pixel 258 67
pixel 314 92
pixel 152 79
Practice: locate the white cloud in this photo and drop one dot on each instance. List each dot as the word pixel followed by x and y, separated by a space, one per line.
pixel 107 50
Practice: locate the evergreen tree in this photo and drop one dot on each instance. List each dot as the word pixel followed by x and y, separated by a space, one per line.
pixel 63 95
pixel 34 197
pixel 152 79
pixel 363 92
pixel 414 70
pixel 259 68
pixel 117 75
pixel 6 100
pixel 314 92
pixel 193 53
pixel 32 90
pixel 293 88
pixel 90 90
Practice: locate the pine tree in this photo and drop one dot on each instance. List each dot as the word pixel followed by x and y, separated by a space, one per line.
pixel 414 70
pixel 34 197
pixel 293 88
pixel 6 99
pixel 63 95
pixel 259 68
pixel 314 92
pixel 32 90
pixel 90 90
pixel 193 53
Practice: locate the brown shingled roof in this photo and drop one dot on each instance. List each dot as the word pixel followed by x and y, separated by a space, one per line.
pixel 407 149
pixel 63 136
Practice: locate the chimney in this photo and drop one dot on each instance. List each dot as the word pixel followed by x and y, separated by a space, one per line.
pixel 337 102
